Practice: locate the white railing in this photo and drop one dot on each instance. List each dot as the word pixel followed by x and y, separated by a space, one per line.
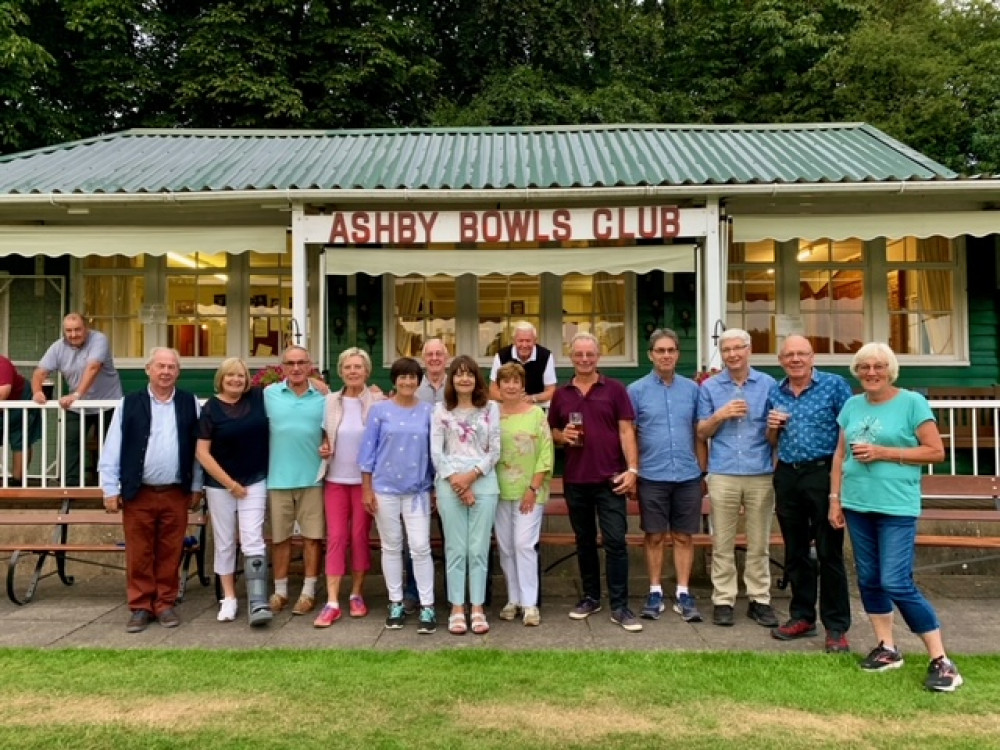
pixel 970 430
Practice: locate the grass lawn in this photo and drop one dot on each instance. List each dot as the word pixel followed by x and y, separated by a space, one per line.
pixel 483 700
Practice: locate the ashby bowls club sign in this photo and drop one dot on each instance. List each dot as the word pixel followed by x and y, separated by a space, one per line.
pixel 505 225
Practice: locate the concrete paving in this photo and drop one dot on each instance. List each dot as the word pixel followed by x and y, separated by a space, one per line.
pixel 92 614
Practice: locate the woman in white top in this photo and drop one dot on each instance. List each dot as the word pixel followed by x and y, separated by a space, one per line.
pixel 348 524
pixel 465 448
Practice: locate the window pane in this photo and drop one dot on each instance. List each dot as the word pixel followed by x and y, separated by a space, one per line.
pixel 825 251
pixel 92 262
pixel 916 250
pixel 112 303
pixel 271 328
pixel 425 308
pixel 196 308
pixel 595 304
pixel 750 305
pixel 503 302
pixel 752 252
pixel 814 290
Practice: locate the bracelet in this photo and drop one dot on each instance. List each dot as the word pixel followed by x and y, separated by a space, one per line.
pixel 632 470
pixel 834 496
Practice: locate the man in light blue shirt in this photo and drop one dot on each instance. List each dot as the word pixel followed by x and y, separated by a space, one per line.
pixel 671 463
pixel 149 472
pixel 732 413
pixel 295 411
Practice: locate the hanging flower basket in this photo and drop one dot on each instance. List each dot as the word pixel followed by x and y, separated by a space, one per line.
pixel 267 375
pixel 702 376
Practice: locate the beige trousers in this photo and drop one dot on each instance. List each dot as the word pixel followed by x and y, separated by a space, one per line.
pixel 755 495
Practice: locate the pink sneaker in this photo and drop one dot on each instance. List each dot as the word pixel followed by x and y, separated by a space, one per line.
pixel 358 607
pixel 327 616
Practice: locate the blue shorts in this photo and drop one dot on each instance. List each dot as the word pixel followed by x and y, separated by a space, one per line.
pixel 670 506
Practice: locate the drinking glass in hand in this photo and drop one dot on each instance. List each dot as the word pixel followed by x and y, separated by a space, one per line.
pixel 576 419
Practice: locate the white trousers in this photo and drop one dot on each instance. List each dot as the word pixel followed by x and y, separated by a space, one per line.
pixel 227 513
pixel 413 511
pixel 517 534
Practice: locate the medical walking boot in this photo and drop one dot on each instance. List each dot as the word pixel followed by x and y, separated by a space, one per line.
pixel 258 608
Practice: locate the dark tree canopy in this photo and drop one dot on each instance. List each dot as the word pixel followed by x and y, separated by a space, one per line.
pixel 922 70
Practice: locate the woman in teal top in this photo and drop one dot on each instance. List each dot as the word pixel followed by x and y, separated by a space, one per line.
pixel 523 474
pixel 886 435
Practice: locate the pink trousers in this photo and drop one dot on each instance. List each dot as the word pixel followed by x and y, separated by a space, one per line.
pixel 348 524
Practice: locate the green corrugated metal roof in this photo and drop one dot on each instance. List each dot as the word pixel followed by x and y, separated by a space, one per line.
pixel 156 161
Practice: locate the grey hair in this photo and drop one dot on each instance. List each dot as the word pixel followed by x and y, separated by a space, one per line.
pixel 878 352
pixel 354 351
pixel 585 336
pixel 663 333
pixel 734 333
pixel 525 327
pixel 157 349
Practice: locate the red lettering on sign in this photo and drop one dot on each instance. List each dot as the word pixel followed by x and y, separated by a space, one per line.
pixel 338 230
pixel 648 225
pixel 384 228
pixel 467 228
pixel 406 229
pixel 427 222
pixel 602 224
pixel 624 233
pixel 671 221
pixel 519 225
pixel 492 226
pixel 360 229
pixel 562 229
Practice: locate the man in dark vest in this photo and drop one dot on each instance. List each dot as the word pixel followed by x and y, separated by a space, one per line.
pixel 538 363
pixel 148 471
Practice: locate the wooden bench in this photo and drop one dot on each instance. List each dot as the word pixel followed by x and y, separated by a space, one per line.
pixel 59 509
pixel 556 507
pixel 968 500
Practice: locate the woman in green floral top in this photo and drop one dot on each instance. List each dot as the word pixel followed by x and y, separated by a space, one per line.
pixel 523 473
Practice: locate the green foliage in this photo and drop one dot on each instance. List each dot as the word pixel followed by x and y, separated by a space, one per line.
pixel 923 70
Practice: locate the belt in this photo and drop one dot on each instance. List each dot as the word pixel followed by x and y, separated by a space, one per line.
pixel 161 487
pixel 812 462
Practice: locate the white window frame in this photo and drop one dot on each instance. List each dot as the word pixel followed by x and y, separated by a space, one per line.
pixel 549 329
pixel 876 303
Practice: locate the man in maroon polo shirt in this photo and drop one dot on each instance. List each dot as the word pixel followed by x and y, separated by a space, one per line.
pixel 600 473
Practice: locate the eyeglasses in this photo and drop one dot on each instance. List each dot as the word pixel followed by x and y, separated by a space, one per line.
pixel 297 363
pixel 733 350
pixel 660 350
pixel 796 355
pixel 877 367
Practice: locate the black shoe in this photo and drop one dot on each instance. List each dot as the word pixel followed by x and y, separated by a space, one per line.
pixel 137 622
pixel 762 614
pixel 723 615
pixel 943 676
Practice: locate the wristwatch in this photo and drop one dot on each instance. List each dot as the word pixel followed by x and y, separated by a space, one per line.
pixel 632 470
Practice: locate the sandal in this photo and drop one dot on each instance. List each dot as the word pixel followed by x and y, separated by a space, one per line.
pixel 456 624
pixel 479 624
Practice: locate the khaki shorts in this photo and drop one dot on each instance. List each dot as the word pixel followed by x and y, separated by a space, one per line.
pixel 303 504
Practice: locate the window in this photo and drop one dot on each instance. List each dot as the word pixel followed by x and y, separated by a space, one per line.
pixel 196 304
pixel 919 292
pixel 113 291
pixel 207 306
pixel 478 314
pixel 841 294
pixel 425 309
pixel 751 293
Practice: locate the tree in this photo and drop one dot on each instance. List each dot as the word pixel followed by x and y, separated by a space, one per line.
pixel 24 66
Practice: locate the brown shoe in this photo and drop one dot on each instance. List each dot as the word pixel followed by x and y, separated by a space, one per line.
pixel 137 622
pixel 278 602
pixel 169 619
pixel 304 605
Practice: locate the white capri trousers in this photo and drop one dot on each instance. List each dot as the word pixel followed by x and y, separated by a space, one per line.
pixel 517 534
pixel 391 513
pixel 228 513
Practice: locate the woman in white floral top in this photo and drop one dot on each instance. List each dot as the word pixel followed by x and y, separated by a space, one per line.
pixel 523 472
pixel 465 448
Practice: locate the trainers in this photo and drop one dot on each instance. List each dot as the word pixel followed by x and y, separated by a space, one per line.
pixel 836 642
pixel 762 614
pixel 428 621
pixel 327 616
pixel 653 607
pixel 532 616
pixel 881 658
pixel 509 611
pixel 794 629
pixel 227 610
pixel 942 676
pixel 410 605
pixel 723 615
pixel 358 607
pixel 584 609
pixel 396 616
pixel 626 619
pixel 685 607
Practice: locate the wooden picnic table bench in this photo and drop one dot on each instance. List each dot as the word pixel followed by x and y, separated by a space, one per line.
pixel 967 502
pixel 59 509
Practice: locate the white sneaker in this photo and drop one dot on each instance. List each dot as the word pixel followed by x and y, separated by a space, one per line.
pixel 228 609
pixel 509 611
pixel 532 616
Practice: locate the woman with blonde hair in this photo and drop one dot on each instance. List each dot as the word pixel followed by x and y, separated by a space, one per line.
pixel 233 450
pixel 348 524
pixel 525 466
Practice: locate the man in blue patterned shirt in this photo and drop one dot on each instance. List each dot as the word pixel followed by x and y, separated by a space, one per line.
pixel 802 422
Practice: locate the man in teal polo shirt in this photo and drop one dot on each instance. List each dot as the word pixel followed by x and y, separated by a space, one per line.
pixel 295 413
